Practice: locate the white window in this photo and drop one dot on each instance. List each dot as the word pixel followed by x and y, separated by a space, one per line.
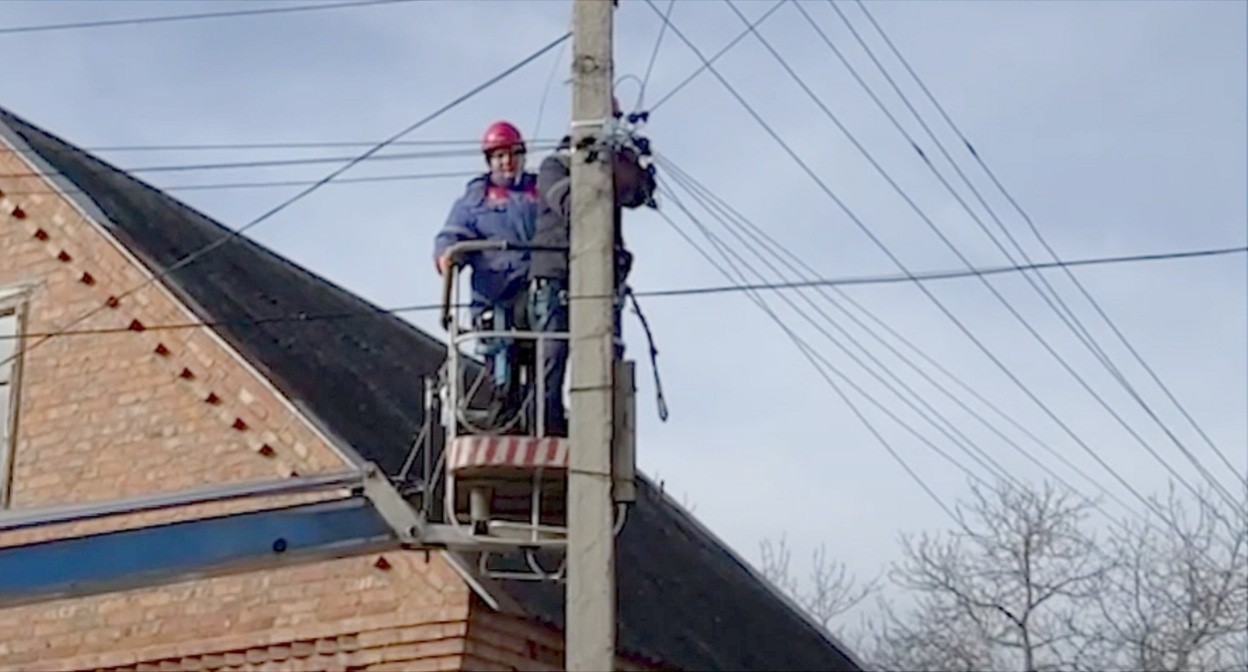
pixel 10 329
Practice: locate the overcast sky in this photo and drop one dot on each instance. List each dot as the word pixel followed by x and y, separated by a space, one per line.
pixel 1119 127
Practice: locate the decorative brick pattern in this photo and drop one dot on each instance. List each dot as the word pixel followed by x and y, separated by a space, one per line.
pixel 105 416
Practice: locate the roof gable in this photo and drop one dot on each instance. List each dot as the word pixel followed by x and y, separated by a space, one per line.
pixel 374 359
pixel 684 597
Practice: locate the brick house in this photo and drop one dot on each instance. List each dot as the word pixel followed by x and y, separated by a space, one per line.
pixel 133 410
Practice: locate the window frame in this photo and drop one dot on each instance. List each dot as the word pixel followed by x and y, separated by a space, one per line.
pixel 15 301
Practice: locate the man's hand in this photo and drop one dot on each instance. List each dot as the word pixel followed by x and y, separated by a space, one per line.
pixel 444 263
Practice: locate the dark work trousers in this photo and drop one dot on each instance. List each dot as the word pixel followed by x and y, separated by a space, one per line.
pixel 548 311
pixel 502 353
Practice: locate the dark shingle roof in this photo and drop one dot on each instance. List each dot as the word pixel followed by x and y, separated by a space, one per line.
pixel 684 598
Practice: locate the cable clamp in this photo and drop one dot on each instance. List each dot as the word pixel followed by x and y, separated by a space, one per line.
pixel 589 123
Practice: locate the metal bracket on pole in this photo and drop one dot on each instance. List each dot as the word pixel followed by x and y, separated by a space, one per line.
pixel 624 448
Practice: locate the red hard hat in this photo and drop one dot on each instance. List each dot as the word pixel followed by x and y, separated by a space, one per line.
pixel 501 135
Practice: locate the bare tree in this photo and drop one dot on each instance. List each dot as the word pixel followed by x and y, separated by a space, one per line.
pixel 831 592
pixel 1020 570
pixel 1177 599
pixel 1023 584
pixel 1014 579
pixel 934 635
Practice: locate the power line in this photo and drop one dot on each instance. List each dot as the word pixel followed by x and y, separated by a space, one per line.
pixel 550 81
pixel 654 54
pixel 140 20
pixel 1028 220
pixel 814 361
pixel 884 248
pixel 965 444
pixel 1022 320
pixel 765 241
pixel 680 176
pixel 1076 327
pixel 306 144
pixel 706 63
pixel 811 354
pixel 1200 468
pixel 896 187
pixel 237 233
pixel 311 144
pixel 921 276
pixel 1068 317
pixel 671 293
pixel 269 163
pixel 404 177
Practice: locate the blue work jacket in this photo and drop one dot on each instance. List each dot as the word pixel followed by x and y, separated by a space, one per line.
pixel 490 212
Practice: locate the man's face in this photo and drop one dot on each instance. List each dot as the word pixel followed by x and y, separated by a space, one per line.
pixel 506 165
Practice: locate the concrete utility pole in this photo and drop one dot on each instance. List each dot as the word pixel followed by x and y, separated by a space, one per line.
pixel 590 611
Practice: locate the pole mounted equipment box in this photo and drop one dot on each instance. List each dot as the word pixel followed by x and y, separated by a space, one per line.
pixel 624 442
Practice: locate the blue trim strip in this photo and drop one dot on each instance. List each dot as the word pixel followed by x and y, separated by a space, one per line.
pixel 176 551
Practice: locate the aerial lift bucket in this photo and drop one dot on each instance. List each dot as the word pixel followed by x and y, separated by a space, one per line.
pixel 506 487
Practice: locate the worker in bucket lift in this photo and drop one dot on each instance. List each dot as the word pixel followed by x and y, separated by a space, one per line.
pixel 548 268
pixel 498 205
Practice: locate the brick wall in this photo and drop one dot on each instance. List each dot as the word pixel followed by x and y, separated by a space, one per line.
pixel 501 641
pixel 336 614
pixel 105 416
pixel 108 416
